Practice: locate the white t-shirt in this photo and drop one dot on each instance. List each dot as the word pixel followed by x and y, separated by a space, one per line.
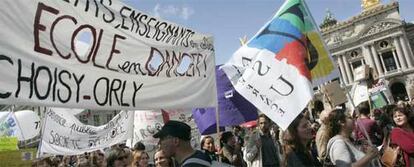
pixel 342 153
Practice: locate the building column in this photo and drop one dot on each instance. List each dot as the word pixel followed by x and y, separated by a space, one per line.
pixel 396 60
pixel 348 70
pixel 366 53
pixel 382 62
pixel 341 67
pixel 400 55
pixel 407 52
pixel 377 63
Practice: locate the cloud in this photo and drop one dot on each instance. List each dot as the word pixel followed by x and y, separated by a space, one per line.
pixel 156 10
pixel 183 12
pixel 187 12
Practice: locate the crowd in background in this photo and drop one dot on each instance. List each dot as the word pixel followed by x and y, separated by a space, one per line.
pixel 337 137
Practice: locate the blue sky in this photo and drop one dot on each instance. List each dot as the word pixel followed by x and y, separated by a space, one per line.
pixel 229 20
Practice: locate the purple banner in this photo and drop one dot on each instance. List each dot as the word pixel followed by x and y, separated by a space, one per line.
pixel 234 109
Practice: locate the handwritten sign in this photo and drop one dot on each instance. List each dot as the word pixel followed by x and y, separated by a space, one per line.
pixel 63 134
pixel 101 55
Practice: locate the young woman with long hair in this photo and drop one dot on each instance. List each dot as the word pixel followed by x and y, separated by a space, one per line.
pixel 342 152
pixel 140 159
pixel 207 145
pixel 297 148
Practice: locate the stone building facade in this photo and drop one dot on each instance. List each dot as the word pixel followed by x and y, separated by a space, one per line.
pixel 377 37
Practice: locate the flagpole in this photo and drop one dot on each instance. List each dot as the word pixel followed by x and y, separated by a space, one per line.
pixel 39 151
pixel 217 121
pixel 133 128
pixel 341 79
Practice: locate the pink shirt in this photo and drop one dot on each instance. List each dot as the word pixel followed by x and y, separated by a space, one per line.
pixel 372 128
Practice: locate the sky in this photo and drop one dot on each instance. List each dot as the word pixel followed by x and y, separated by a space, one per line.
pixel 229 20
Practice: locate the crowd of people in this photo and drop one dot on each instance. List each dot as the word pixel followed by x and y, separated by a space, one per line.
pixel 337 137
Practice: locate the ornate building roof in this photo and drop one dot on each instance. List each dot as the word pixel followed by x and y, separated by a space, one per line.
pixel 369 4
pixel 374 10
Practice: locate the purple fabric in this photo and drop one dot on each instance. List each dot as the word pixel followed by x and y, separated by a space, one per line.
pixel 205 118
pixel 234 109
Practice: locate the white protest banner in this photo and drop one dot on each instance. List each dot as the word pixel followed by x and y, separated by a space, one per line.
pixel 101 55
pixel 186 116
pixel 147 123
pixel 73 111
pixel 63 134
pixel 29 124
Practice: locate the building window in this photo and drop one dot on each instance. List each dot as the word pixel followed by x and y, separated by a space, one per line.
pixel 83 118
pixel 354 54
pixel 96 120
pixel 389 61
pixel 383 44
pixel 356 64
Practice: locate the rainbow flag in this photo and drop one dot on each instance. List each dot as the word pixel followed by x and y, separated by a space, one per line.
pixel 277 69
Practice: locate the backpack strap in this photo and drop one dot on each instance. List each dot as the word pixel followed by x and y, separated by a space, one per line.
pixel 353 159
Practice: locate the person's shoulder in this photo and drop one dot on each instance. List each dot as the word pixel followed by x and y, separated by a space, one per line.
pixel 198 159
pixel 195 165
pixel 200 154
pixel 334 141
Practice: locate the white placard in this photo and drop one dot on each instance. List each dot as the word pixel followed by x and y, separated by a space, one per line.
pixel 359 92
pixel 29 124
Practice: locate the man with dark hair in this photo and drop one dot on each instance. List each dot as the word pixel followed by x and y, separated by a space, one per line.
pixel 263 149
pixel 238 133
pixel 371 126
pixel 139 146
pixel 174 141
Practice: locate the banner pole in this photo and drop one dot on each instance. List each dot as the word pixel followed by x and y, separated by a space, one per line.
pixel 133 127
pixel 218 123
pixel 43 122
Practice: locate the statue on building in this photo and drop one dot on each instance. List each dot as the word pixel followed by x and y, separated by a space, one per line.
pixel 329 20
pixel 368 4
